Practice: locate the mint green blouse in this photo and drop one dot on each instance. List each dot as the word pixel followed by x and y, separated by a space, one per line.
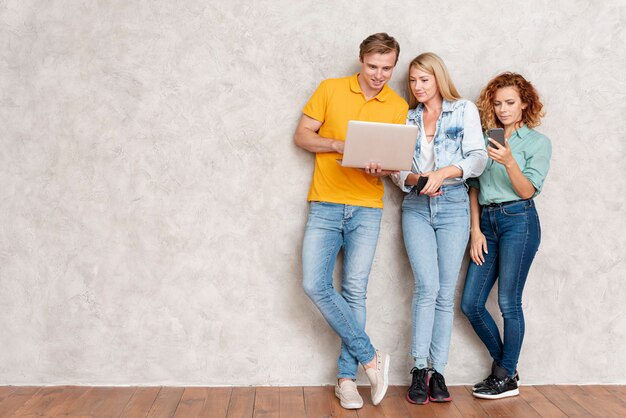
pixel 532 151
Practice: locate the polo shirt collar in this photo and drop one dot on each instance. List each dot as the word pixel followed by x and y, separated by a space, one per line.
pixel 356 88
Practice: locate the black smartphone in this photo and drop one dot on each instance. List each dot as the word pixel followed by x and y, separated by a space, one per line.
pixel 421 182
pixel 497 134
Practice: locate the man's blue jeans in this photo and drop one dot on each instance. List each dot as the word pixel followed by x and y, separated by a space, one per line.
pixel 513 234
pixel 435 233
pixel 354 229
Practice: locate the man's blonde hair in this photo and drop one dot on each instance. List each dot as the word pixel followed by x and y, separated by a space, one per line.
pixel 379 43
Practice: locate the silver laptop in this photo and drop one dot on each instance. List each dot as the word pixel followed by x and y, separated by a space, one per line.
pixel 390 144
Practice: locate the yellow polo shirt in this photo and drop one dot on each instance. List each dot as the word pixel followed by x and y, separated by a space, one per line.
pixel 334 103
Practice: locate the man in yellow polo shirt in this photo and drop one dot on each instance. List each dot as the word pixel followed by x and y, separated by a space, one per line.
pixel 346 209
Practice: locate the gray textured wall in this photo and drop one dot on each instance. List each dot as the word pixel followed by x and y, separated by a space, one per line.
pixel 152 203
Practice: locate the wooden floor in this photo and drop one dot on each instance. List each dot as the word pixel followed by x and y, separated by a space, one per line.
pixel 294 402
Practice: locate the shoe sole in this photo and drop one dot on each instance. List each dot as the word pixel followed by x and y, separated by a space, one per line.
pixel 350 406
pixel 409 400
pixel 506 394
pixel 442 400
pixel 385 380
pixel 346 405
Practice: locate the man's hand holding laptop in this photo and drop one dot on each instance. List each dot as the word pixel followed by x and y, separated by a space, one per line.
pixel 376 170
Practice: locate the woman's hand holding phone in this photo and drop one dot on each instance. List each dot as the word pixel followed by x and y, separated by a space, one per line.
pixel 500 153
pixel 498 149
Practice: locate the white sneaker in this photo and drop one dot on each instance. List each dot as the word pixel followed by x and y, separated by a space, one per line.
pixel 348 395
pixel 379 376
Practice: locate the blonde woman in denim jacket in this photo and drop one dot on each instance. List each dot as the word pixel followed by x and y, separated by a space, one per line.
pixel 436 219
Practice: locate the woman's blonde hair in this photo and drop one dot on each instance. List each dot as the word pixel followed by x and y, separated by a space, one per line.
pixel 431 63
pixel 531 115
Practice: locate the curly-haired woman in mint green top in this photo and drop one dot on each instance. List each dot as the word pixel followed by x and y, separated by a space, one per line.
pixel 504 227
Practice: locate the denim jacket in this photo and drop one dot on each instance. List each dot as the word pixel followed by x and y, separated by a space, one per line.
pixel 458 140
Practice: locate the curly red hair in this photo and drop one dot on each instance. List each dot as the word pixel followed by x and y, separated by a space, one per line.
pixel 531 116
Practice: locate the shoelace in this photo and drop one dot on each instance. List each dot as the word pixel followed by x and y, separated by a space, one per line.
pixel 419 378
pixel 489 380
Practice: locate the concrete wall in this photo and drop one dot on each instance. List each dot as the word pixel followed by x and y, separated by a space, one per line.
pixel 152 203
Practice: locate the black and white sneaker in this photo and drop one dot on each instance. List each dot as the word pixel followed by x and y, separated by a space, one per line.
pixel 492 377
pixel 498 388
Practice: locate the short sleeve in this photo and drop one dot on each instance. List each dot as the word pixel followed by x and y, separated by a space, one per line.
pixel 316 106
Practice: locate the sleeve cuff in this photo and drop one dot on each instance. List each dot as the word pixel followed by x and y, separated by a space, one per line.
pixel 464 172
pixel 400 180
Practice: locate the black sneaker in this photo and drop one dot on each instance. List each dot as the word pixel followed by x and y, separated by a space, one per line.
pixel 492 377
pixel 438 392
pixel 498 388
pixel 418 392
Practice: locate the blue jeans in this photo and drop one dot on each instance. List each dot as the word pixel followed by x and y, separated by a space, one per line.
pixel 513 234
pixel 354 229
pixel 435 231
